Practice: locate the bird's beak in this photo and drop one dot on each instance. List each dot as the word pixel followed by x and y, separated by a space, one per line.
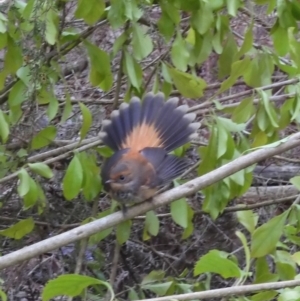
pixel 109 181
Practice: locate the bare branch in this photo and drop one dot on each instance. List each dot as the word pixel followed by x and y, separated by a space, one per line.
pixel 230 291
pixel 165 198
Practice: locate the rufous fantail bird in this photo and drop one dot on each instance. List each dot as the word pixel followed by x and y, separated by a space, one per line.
pixel 142 134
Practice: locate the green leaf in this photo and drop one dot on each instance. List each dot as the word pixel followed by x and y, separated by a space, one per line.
pixel 3 296
pixel 208 153
pixel 237 69
pixel 44 95
pixel 189 5
pixel 248 42
pixel 151 225
pixel 188 85
pixel 154 276
pixel 179 212
pixel 133 295
pixel 90 11
pixel 24 185
pixel 223 137
pixel 296 181
pixel 165 73
pixel 243 240
pixel 116 13
pixel 160 289
pixel 269 107
pixel 202 48
pixel 86 120
pixel 217 262
pixel 296 107
pixel 51 31
pixel 265 296
pixel 24 73
pixel 52 107
pixel 73 179
pixel 3 23
pixel 265 237
pixel 252 76
pixel 188 231
pixel 41 169
pixel 262 119
pixel 13 59
pixel 96 238
pixel 119 42
pixel 91 184
pixel 3 40
pixel 32 195
pixel 296 257
pixel 67 109
pixel 285 265
pixel 166 26
pixel 105 151
pixel 44 137
pixel 19 230
pixel 248 219
pixel 172 10
pixel 71 285
pixel 280 40
pixel 294 47
pixel 233 6
pixel 243 111
pixel 227 57
pixel 141 42
pixel 231 126
pixel 132 11
pixel 4 127
pixel 289 294
pixel 133 70
pixel 17 94
pixel 239 176
pixel 262 273
pixel 203 18
pixel 179 53
pixel 100 72
pixel 123 231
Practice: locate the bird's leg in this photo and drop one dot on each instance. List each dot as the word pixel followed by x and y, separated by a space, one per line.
pixel 149 200
pixel 124 209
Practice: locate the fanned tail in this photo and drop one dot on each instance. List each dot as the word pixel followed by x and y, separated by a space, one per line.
pixel 152 123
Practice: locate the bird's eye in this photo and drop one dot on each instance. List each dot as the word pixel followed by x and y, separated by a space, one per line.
pixel 121 177
pixel 122 194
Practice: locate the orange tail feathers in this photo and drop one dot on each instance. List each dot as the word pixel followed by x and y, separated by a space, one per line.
pixel 151 123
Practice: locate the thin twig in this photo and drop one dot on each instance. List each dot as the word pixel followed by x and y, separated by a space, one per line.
pixel 55 159
pixel 114 266
pixel 119 81
pixel 60 226
pixel 244 93
pixel 83 246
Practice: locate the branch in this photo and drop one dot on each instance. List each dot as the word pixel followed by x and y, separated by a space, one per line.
pixel 230 291
pixel 68 148
pixel 58 51
pixel 208 103
pixel 176 193
pixel 119 82
pixel 274 98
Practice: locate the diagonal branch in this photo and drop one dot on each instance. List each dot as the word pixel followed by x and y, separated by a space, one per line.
pixel 113 219
pixel 230 291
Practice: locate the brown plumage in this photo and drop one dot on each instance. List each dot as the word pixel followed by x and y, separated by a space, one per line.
pixel 142 135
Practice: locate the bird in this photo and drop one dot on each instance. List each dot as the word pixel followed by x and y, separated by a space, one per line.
pixel 142 133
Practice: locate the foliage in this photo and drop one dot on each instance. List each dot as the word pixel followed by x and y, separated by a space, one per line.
pixel 36 39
